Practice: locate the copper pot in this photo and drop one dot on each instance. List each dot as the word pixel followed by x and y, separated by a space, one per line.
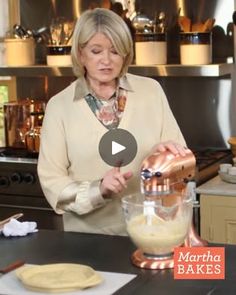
pixel 18 121
pixel 32 139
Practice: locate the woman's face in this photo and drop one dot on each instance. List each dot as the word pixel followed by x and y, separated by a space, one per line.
pixel 102 62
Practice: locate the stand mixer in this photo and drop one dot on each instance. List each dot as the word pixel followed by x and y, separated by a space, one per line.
pixel 160 218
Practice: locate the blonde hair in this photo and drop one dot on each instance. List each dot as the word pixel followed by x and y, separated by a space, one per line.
pixel 110 24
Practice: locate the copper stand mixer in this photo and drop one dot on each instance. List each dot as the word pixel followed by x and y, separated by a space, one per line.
pixel 161 218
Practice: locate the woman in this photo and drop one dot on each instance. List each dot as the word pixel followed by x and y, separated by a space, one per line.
pixel 75 180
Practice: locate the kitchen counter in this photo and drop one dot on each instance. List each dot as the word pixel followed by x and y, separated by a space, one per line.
pixel 216 186
pixel 112 254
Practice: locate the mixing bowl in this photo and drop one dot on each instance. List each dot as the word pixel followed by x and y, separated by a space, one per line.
pixel 158 225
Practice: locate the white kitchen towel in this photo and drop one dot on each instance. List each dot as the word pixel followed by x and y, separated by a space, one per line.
pixel 17 228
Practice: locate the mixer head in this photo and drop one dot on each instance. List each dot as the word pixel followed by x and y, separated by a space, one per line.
pixel 164 172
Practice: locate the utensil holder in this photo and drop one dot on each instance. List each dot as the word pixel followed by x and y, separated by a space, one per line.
pixel 58 55
pixel 150 48
pixel 19 52
pixel 195 48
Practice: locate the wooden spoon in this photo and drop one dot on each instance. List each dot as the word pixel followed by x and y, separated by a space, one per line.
pixel 208 25
pixel 184 23
pixel 198 27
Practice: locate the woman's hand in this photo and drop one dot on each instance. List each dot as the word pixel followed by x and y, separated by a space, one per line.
pixel 171 146
pixel 114 181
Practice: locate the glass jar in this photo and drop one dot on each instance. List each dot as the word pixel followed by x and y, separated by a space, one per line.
pixel 195 48
pixel 150 48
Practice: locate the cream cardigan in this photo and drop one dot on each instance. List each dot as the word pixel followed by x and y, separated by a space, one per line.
pixel 70 167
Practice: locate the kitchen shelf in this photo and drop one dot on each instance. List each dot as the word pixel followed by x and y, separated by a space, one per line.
pixel 172 70
pixel 176 70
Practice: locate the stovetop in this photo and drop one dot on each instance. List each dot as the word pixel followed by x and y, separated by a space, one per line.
pixel 207 160
pixel 17 155
pixel 208 157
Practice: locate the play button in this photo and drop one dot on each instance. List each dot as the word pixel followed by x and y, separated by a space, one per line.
pixel 117 147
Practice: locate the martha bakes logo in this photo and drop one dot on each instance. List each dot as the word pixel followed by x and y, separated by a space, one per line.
pixel 199 263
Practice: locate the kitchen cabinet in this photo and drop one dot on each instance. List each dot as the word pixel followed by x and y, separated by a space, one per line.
pixel 218 211
pixel 218 219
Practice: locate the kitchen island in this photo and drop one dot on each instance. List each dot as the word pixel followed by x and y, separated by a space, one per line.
pixel 111 254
